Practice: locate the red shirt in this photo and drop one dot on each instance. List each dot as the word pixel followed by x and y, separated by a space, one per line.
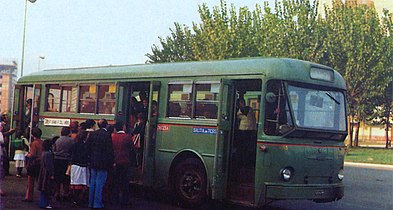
pixel 122 147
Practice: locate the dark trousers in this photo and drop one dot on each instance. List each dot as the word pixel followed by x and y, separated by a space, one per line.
pixel 6 164
pixel 120 183
pixel 44 199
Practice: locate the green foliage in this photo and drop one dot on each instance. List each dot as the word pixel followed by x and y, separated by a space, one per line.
pixel 350 38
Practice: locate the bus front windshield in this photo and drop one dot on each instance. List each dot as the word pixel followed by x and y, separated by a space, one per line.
pixel 304 111
pixel 317 108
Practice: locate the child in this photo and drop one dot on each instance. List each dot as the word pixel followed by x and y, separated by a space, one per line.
pixel 79 171
pixel 20 144
pixel 46 176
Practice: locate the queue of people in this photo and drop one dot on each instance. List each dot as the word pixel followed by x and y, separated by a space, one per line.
pixel 77 165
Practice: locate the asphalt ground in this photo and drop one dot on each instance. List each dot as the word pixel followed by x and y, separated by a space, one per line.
pixel 15 188
pixel 140 198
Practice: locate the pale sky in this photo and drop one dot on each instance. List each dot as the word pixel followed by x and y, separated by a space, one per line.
pixel 76 33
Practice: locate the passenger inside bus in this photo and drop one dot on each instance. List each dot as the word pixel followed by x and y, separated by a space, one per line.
pixel 174 109
pixel 132 114
pixel 246 132
pixel 142 104
pixel 139 129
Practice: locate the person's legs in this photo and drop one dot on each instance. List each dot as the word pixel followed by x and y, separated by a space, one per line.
pixel 19 171
pixel 92 189
pixel 43 200
pixel 30 188
pixel 100 182
pixel 6 164
pixel 76 196
pixel 66 186
pixel 124 184
pixel 116 184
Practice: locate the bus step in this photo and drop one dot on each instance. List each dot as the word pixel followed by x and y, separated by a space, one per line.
pixel 241 192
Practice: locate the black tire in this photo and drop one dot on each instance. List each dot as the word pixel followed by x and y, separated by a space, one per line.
pixel 190 182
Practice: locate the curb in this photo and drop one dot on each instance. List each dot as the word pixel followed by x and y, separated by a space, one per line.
pixel 368 165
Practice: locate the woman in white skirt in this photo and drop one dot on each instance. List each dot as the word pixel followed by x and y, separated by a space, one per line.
pixel 20 144
pixel 79 172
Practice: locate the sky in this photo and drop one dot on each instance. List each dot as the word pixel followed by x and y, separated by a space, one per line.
pixel 80 33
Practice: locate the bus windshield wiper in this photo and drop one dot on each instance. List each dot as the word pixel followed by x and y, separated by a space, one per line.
pixel 330 96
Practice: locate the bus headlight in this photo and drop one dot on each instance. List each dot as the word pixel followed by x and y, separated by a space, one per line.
pixel 286 174
pixel 340 174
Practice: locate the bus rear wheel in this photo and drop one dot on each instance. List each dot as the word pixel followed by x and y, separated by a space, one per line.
pixel 190 182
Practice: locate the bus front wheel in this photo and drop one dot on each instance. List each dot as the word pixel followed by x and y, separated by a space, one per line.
pixel 190 182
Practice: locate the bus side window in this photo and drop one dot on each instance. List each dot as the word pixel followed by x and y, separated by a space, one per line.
pixel 53 98
pixel 206 100
pixel 179 97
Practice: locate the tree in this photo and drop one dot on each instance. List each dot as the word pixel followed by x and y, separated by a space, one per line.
pixel 356 45
pixel 350 38
pixel 174 48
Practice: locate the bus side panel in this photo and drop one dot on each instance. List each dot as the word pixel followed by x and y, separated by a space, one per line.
pixel 174 138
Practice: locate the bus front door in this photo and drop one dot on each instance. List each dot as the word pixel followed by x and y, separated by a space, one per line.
pixel 223 140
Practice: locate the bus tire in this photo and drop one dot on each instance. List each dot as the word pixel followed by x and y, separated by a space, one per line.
pixel 190 182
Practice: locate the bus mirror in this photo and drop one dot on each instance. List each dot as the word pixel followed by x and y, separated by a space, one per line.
pixel 270 97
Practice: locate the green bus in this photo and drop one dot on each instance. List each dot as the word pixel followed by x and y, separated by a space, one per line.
pixel 195 143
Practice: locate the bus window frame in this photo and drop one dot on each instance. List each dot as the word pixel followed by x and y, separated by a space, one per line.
pixel 62 86
pixel 92 100
pixel 47 92
pixel 168 101
pixel 312 87
pixel 193 98
pixel 103 100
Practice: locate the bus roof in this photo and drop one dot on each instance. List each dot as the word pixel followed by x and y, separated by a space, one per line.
pixel 279 68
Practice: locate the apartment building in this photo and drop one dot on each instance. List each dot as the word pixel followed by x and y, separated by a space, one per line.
pixel 8 77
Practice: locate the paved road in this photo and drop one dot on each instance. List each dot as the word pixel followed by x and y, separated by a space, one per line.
pixel 367 187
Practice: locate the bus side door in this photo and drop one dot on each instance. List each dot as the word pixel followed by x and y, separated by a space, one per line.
pixel 123 96
pixel 150 136
pixel 223 140
pixel 17 108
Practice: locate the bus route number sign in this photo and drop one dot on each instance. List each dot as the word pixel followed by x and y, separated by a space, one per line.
pixel 56 122
pixel 199 130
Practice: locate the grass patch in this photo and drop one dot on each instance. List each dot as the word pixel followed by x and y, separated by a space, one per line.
pixel 369 155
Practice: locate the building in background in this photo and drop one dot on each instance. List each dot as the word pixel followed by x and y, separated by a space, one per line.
pixel 8 77
pixel 379 4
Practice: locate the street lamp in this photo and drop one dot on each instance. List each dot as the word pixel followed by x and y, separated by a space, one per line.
pixel 24 37
pixel 39 61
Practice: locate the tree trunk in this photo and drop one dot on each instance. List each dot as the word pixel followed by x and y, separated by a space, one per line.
pixel 356 140
pixel 388 143
pixel 350 131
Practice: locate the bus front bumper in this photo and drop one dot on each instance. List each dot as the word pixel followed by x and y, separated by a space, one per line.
pixel 318 193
